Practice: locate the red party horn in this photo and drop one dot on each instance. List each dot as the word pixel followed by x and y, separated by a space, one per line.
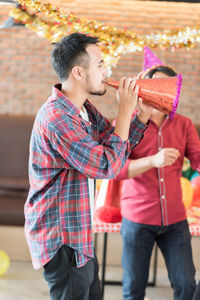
pixel 160 93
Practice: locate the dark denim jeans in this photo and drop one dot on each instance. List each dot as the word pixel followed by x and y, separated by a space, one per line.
pixel 174 242
pixel 67 282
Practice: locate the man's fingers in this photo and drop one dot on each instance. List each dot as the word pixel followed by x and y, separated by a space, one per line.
pixel 129 83
pixel 139 75
pixel 122 82
pixel 171 151
pixel 133 85
pixel 117 95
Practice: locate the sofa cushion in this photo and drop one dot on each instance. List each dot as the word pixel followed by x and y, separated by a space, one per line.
pixel 12 209
pixel 14 184
pixel 15 132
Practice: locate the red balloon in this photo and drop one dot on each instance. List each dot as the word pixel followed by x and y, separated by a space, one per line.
pixel 195 183
pixel 109 214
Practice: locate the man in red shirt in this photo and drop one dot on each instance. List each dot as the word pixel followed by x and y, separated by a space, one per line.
pixel 151 204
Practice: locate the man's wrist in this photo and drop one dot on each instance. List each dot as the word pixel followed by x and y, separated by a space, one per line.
pixel 122 126
pixel 151 161
pixel 142 117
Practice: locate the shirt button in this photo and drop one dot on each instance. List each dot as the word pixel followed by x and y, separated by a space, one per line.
pixel 159 133
pixel 161 179
pixel 163 197
pixel 159 148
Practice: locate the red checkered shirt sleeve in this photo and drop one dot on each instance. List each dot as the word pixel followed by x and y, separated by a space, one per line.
pixel 73 139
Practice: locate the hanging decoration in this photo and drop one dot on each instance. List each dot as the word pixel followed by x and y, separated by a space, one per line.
pixel 51 23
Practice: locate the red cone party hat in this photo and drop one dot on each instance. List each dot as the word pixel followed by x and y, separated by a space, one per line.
pixel 160 93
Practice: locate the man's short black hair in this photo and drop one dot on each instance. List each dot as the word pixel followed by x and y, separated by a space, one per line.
pixel 71 51
pixel 163 69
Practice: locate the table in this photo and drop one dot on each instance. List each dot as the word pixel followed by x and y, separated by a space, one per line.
pixel 193 214
pixel 102 227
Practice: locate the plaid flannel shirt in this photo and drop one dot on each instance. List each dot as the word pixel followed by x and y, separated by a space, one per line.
pixel 64 151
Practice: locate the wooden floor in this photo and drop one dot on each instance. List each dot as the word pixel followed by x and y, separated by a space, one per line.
pixel 21 282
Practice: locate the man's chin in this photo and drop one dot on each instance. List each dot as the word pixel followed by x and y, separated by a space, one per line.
pixel 97 93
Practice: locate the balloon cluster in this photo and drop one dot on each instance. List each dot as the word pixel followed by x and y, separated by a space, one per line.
pixel 190 183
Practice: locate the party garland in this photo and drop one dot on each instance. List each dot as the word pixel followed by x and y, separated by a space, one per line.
pixel 51 23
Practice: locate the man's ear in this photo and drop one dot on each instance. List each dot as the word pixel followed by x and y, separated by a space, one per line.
pixel 78 72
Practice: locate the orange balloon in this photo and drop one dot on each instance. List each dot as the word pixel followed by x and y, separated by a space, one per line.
pixel 187 191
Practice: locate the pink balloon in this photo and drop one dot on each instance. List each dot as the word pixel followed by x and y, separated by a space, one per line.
pixel 195 183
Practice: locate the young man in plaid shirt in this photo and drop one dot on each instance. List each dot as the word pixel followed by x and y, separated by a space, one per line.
pixel 71 145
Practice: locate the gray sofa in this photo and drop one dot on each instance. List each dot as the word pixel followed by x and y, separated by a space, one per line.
pixel 15 134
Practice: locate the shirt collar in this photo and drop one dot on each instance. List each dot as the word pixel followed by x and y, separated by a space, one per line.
pixel 166 120
pixel 61 98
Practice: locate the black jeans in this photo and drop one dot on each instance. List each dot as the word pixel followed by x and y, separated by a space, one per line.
pixel 67 282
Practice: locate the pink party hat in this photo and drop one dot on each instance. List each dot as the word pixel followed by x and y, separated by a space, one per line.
pixel 150 60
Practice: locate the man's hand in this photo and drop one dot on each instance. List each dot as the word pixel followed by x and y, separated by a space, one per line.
pixel 144 111
pixel 127 95
pixel 165 157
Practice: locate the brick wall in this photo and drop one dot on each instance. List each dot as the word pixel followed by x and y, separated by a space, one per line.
pixel 25 68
